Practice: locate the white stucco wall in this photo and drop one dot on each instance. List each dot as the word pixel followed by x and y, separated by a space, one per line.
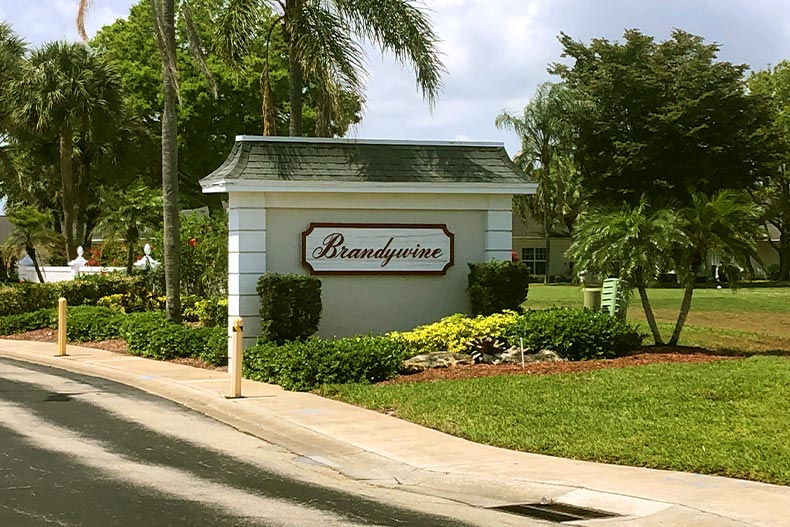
pixel 265 235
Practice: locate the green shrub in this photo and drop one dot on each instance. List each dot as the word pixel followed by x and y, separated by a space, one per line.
pixel 92 324
pixel 40 319
pixel 26 298
pixel 149 334
pixel 210 312
pixel 133 302
pixel 306 365
pixel 88 289
pixel 135 327
pixel 216 350
pixel 290 306
pixel 497 286
pixel 574 334
pixel 456 333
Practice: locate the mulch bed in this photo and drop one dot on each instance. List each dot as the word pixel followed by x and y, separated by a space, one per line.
pixel 646 355
pixel 656 355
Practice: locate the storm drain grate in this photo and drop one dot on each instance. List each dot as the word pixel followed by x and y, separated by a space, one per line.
pixel 554 512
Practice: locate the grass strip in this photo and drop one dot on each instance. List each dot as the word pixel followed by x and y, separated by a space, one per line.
pixel 729 418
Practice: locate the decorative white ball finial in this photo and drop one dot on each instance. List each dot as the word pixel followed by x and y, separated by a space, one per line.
pixel 147 250
pixel 80 251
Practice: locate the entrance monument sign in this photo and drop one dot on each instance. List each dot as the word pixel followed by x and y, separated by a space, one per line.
pixel 388 226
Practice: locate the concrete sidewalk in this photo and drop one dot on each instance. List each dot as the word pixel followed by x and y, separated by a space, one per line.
pixel 386 451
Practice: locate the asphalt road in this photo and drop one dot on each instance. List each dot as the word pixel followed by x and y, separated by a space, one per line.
pixel 82 451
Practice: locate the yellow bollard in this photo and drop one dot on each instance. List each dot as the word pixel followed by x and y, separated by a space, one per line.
pixel 234 366
pixel 61 327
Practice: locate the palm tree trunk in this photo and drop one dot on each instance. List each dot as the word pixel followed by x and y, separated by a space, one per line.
pixel 295 75
pixel 132 239
pixel 170 173
pixel 685 307
pixel 67 188
pixel 82 197
pixel 651 319
pixel 32 252
pixel 547 241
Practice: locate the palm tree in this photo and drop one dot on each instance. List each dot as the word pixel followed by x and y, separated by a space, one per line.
pixel 545 155
pixel 65 89
pixel 130 213
pixel 634 244
pixel 323 38
pixel 163 14
pixel 29 233
pixel 725 224
pixel 12 49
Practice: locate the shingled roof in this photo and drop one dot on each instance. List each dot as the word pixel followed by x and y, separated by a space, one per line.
pixel 287 159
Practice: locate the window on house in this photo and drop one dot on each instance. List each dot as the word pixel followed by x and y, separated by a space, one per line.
pixel 534 257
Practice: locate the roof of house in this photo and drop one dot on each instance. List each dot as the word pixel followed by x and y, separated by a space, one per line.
pixel 291 160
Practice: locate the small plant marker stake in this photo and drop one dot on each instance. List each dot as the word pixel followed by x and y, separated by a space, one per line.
pixel 237 341
pixel 521 345
pixel 61 327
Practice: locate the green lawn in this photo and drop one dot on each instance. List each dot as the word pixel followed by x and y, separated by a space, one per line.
pixel 729 417
pixel 742 321
pixel 754 300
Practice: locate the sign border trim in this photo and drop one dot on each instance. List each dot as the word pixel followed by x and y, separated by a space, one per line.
pixel 441 226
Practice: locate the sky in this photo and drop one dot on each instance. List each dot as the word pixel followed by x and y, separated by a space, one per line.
pixel 496 51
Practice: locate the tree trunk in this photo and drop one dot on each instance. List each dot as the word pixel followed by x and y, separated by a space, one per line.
pixel 170 173
pixel 547 241
pixel 784 257
pixel 82 184
pixel 651 319
pixel 32 252
pixel 132 238
pixel 67 188
pixel 685 307
pixel 295 75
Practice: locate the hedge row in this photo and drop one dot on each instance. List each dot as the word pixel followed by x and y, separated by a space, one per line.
pixel 147 334
pixel 573 334
pixel 304 365
pixel 27 297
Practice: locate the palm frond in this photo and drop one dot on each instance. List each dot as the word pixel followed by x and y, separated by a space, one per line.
pixel 326 51
pixel 196 48
pixel 82 15
pixel 401 28
pixel 169 62
pixel 237 26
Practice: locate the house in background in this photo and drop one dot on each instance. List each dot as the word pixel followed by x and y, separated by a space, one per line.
pixel 530 246
pixel 5 227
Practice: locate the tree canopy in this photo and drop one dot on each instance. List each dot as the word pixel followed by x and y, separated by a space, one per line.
pixel 662 119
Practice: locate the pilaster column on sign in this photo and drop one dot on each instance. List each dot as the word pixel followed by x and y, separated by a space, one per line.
pixel 246 261
pixel 499 229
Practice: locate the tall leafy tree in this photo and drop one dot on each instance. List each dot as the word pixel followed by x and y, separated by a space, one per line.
pixel 206 126
pixel 546 156
pixel 663 119
pixel 164 22
pixel 65 90
pixel 323 44
pixel 12 49
pixel 774 194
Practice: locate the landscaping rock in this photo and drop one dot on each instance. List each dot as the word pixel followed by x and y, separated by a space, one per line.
pixel 513 356
pixel 440 359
